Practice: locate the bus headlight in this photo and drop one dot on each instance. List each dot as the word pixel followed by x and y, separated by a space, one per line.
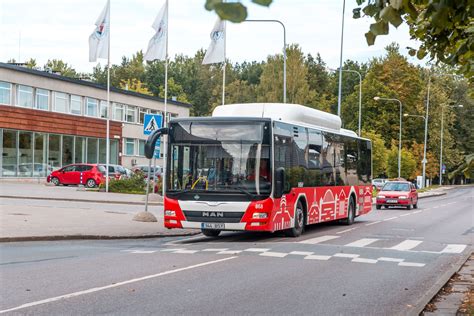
pixel 260 215
pixel 170 213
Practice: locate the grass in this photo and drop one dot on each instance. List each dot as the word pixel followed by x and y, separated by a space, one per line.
pixel 428 188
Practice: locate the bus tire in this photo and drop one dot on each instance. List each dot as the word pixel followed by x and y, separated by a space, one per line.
pixel 350 213
pixel 299 222
pixel 210 232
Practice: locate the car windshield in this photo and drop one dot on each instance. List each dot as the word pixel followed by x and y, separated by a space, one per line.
pixel 396 186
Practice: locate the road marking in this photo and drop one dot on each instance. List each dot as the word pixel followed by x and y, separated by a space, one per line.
pixel 143 251
pixel 417 212
pixel 172 249
pixel 186 251
pixel 229 252
pixel 273 254
pixel 257 249
pixel 346 255
pixel 453 248
pixel 411 264
pixel 390 259
pixel 216 249
pixel 373 223
pixel 389 219
pixel 406 245
pixel 301 253
pixel 405 214
pixel 347 230
pixel 362 242
pixel 318 240
pixel 97 289
pixel 174 242
pixel 363 260
pixel 317 257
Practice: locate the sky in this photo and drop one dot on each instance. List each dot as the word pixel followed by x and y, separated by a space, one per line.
pixel 59 29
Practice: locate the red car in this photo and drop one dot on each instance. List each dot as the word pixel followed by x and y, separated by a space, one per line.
pixel 90 175
pixel 397 193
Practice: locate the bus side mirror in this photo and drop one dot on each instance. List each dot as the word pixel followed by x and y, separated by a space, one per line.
pixel 151 141
pixel 279 182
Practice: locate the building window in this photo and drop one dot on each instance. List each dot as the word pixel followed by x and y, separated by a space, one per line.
pixel 5 92
pixel 92 150
pixel 103 109
pixel 130 115
pixel 68 149
pixel 114 153
pixel 129 146
pixel 54 153
pixel 25 96
pixel 42 99
pixel 9 153
pixel 40 167
pixel 103 151
pixel 91 108
pixel 118 112
pixel 76 104
pixel 79 150
pixel 141 147
pixel 141 115
pixel 60 102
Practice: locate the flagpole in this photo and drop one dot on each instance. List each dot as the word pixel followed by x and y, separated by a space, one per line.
pixel 166 105
pixel 223 70
pixel 107 141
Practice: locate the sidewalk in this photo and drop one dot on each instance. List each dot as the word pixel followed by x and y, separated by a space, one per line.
pixel 57 213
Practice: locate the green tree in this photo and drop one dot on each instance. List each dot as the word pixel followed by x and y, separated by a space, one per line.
pixel 379 153
pixel 174 91
pixel 134 85
pixel 408 164
pixel 59 66
pixel 31 63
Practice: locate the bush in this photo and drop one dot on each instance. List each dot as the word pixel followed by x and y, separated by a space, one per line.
pixel 135 184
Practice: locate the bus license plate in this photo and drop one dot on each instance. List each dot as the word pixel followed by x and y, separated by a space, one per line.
pixel 213 225
pixel 392 201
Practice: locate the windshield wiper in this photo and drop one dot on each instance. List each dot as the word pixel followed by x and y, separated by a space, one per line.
pixel 243 190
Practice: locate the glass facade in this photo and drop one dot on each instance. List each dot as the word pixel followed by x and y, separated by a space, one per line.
pixel 5 92
pixel 32 154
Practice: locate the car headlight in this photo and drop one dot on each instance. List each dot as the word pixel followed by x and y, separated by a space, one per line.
pixel 381 196
pixel 170 213
pixel 403 197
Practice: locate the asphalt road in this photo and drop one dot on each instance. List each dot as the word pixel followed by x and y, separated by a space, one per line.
pixel 385 263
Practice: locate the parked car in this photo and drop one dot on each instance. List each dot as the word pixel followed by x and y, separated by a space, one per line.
pixel 397 193
pixel 144 169
pixel 118 172
pixel 90 175
pixel 378 183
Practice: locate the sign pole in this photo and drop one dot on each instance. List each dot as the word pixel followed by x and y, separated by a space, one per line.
pixel 107 136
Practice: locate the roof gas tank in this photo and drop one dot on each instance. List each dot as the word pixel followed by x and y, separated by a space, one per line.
pixel 286 112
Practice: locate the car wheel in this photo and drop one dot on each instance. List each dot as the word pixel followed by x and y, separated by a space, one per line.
pixel 91 183
pixel 299 222
pixel 409 206
pixel 55 181
pixel 210 232
pixel 386 206
pixel 415 205
pixel 378 207
pixel 350 213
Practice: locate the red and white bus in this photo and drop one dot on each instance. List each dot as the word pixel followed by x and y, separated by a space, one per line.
pixel 264 167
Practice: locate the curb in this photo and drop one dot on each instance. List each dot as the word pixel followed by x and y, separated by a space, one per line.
pixel 77 200
pixel 93 237
pixel 431 293
pixel 432 195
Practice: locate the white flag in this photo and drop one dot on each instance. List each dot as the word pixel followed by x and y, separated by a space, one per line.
pixel 216 51
pixel 157 44
pixel 99 39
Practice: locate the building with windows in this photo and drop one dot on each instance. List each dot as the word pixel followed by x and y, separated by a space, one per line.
pixel 48 121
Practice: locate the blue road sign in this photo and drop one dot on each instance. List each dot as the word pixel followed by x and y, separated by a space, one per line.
pixel 151 123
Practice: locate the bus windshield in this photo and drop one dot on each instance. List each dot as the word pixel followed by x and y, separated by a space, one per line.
pixel 219 157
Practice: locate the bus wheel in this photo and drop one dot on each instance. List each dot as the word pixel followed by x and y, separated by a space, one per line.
pixel 210 232
pixel 299 222
pixel 350 213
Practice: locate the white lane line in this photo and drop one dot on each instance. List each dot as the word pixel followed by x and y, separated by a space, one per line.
pixel 143 251
pixel 453 248
pixel 274 254
pixel 373 223
pixel 435 207
pixel 388 259
pixel 347 230
pixel 172 249
pixel 406 245
pixel 216 249
pixel 346 255
pixel 317 257
pixel 101 288
pixel 318 240
pixel 301 253
pixel 229 252
pixel 389 219
pixel 362 242
pixel 411 264
pixel 417 212
pixel 185 251
pixel 257 249
pixel 405 214
pixel 364 260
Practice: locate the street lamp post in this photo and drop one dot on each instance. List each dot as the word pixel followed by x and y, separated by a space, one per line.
pixel 424 161
pixel 340 61
pixel 284 51
pixel 441 148
pixel 399 133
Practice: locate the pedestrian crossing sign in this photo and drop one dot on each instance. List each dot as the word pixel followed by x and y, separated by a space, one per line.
pixel 151 123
